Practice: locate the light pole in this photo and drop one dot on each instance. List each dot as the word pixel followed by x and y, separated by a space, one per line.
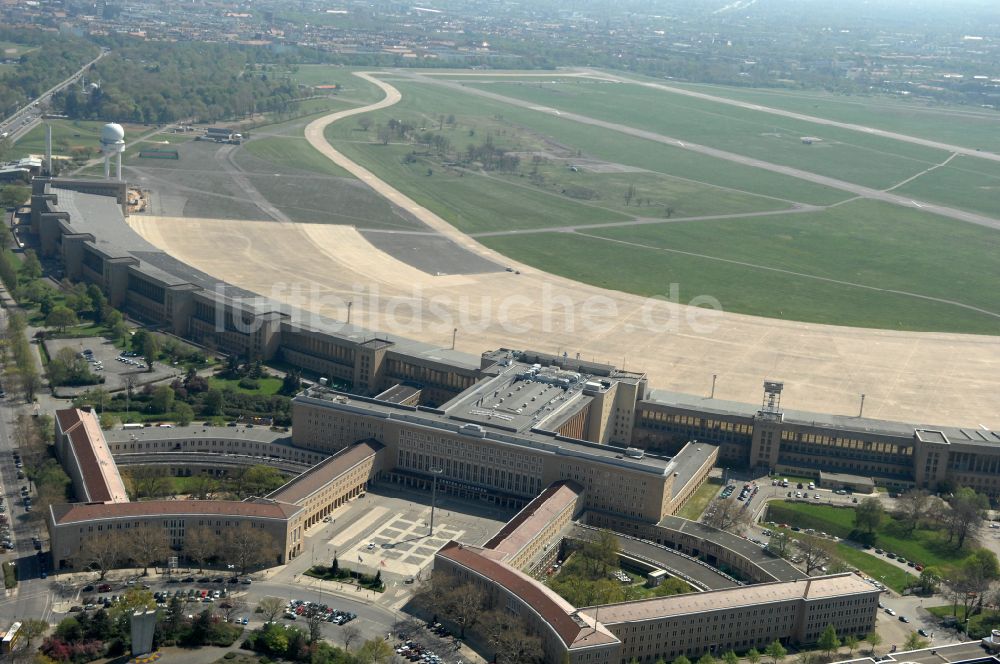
pixel 435 471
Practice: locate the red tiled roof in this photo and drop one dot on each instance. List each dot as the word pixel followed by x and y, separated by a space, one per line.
pixel 81 512
pixel 100 484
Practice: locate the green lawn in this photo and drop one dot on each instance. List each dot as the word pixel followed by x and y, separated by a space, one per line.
pixel 295 153
pixel 547 132
pixel 966 183
pixel 840 266
pixel 696 504
pixel 840 153
pixel 959 125
pixel 875 567
pixel 268 386
pixel 927 547
pixel 14 50
pixel 352 87
pixel 470 202
pixel 980 625
pixel 68 136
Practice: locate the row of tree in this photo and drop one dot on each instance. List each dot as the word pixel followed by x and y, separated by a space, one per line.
pixel 244 547
pixel 154 482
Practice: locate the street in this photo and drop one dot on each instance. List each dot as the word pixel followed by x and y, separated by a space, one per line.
pixel 27 117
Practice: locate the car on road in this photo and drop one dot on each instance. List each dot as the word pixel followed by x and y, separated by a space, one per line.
pixel 104 588
pixel 923 632
pixel 904 619
pixel 890 612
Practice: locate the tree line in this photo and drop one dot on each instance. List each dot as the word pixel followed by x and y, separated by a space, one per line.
pixel 55 57
pixel 244 547
pixel 160 82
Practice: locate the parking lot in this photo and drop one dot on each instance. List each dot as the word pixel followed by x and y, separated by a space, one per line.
pixel 106 359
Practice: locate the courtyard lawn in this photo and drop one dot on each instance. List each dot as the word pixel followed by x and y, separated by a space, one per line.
pixel 696 504
pixel 926 547
pixel 875 567
pixel 267 386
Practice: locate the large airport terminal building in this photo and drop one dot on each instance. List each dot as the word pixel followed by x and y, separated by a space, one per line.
pixel 82 223
pixel 572 445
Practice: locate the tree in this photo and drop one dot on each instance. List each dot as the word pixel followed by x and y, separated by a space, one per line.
pixel 706 659
pixel 601 553
pixel 314 617
pixel 374 651
pixel 364 122
pixel 200 544
pixel 753 656
pixel 681 659
pixel 779 543
pixel 868 515
pixel 914 642
pixel 349 634
pixel 910 508
pixel 184 413
pixel 874 640
pixel 465 605
pixel 163 399
pixel 731 657
pixel 929 580
pixel 147 481
pixel 629 194
pixel 728 514
pixel 148 545
pixel 31 267
pixel 31 629
pixel 270 608
pixel 232 607
pixel 103 551
pixel 213 402
pixel 248 548
pixel 148 346
pixel 816 553
pixel 13 195
pixel 61 317
pixel 851 642
pixel 965 516
pixel 776 651
pixel 828 641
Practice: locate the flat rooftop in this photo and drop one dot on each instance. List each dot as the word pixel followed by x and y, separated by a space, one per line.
pixel 779 568
pixel 685 464
pixel 200 432
pixel 514 402
pixel 731 598
pixel 320 475
pixel 82 512
pixel 102 217
pixel 536 515
pixel 541 443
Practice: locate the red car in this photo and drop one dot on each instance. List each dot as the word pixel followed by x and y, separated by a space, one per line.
pixel 104 588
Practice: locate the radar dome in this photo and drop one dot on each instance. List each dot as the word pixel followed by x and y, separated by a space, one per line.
pixel 112 133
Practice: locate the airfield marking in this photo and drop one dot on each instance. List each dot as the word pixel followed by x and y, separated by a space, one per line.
pixel 808 176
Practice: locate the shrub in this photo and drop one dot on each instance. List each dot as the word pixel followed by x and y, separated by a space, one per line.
pixel 9 576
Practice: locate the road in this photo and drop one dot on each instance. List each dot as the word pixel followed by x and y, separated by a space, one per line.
pixel 833 183
pixel 32 597
pixel 27 117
